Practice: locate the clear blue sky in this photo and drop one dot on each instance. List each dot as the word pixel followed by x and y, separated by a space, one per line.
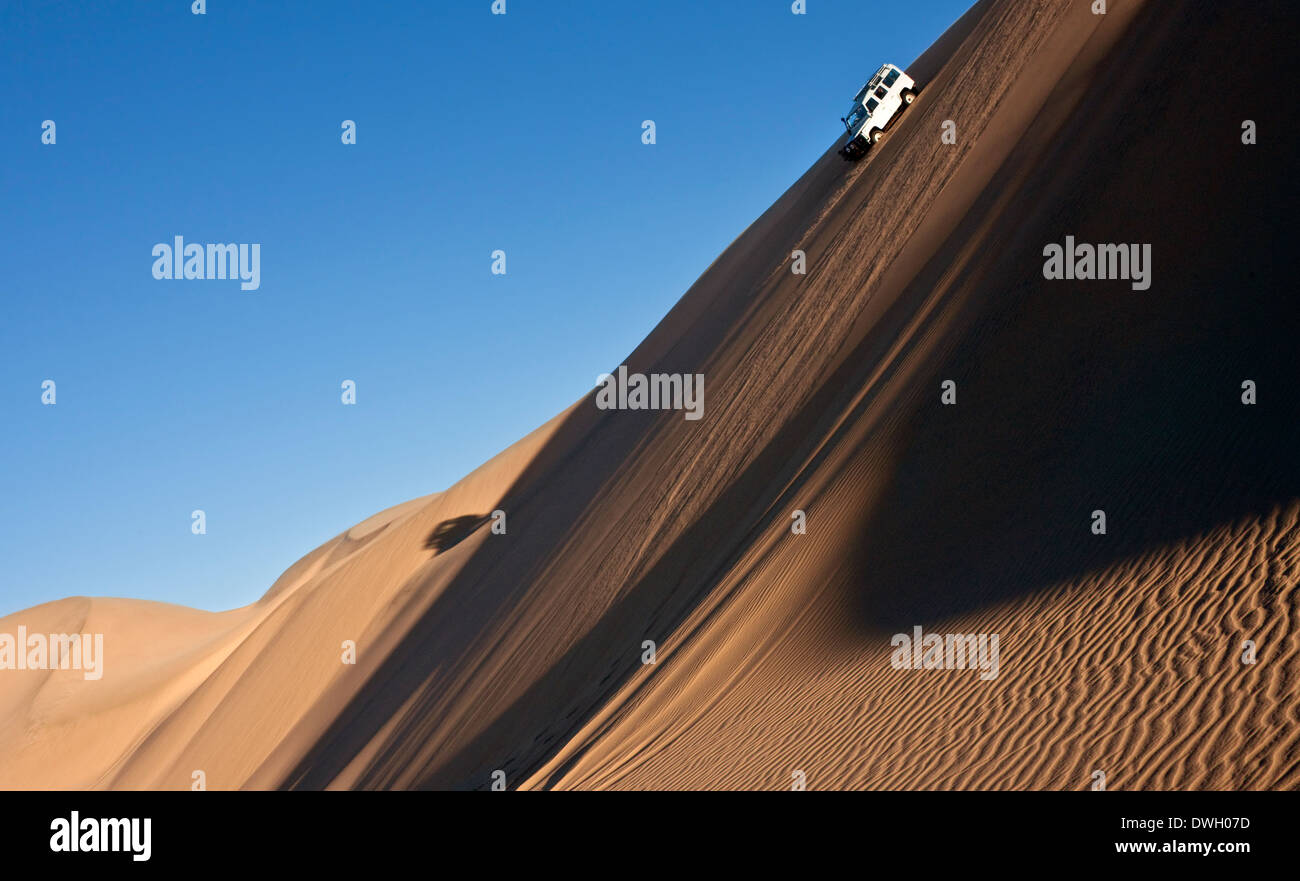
pixel 474 132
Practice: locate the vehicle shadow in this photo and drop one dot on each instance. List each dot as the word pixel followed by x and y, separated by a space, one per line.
pixel 450 533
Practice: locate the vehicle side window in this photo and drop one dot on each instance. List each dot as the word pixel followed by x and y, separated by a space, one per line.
pixel 882 92
pixel 891 78
pixel 873 104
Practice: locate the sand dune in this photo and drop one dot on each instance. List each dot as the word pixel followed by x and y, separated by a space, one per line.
pixel 1121 653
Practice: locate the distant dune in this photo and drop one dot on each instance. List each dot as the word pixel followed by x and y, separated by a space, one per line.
pixel 1120 653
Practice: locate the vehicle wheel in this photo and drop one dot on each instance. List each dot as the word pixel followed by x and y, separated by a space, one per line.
pixel 909 97
pixel 876 135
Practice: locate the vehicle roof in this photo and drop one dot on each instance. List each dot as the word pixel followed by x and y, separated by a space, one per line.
pixel 871 82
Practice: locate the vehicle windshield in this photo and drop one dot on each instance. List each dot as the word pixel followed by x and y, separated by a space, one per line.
pixel 856 116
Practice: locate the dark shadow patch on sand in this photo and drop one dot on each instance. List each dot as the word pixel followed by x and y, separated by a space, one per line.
pixel 452 532
pixel 1075 396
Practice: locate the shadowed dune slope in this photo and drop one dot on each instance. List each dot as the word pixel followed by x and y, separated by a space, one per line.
pixel 1119 652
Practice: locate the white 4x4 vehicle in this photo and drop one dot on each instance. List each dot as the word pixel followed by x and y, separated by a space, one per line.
pixel 876 104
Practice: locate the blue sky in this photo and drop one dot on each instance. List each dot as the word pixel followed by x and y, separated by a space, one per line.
pixel 474 132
